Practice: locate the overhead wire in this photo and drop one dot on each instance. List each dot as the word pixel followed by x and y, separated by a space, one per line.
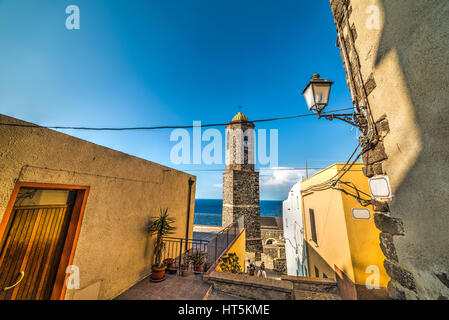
pixel 330 183
pixel 336 179
pixel 155 127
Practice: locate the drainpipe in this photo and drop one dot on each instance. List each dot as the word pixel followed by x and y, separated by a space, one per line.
pixel 191 182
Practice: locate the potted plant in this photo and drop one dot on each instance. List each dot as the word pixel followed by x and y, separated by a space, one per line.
pixel 184 269
pixel 161 227
pixel 198 259
pixel 230 263
pixel 169 263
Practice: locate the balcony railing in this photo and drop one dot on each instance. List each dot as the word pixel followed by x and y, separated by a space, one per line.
pixel 217 246
pixel 179 249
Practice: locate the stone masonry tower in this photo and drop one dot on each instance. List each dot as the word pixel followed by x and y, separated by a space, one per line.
pixel 241 182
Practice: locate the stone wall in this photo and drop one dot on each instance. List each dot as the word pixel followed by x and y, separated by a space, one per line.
pixel 289 288
pixel 274 254
pixel 241 186
pixel 241 197
pixel 251 287
pixel 313 289
pixel 399 72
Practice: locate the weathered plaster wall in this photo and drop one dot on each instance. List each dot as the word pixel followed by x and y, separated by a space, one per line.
pixel 113 248
pixel 347 248
pixel 333 243
pixel 404 65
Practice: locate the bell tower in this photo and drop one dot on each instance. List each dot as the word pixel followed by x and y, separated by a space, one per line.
pixel 241 181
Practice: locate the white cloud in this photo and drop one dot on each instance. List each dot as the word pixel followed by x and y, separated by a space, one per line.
pixel 281 176
pixel 275 184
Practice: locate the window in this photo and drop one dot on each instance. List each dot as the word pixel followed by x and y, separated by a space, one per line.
pixel 245 142
pixel 317 272
pixel 270 241
pixel 325 276
pixel 313 226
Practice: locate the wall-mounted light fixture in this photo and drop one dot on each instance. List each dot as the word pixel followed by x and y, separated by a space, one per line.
pixel 317 93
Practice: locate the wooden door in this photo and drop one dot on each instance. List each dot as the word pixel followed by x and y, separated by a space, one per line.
pixel 31 251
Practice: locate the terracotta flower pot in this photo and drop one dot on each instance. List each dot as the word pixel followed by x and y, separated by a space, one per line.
pixel 172 270
pixel 170 263
pixel 198 268
pixel 158 274
pixel 184 272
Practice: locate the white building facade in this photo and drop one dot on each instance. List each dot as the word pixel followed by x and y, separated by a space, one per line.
pixel 295 247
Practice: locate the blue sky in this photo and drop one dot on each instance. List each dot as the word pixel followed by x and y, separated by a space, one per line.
pixel 170 62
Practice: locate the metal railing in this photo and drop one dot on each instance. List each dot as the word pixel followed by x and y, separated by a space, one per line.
pixel 217 246
pixel 180 248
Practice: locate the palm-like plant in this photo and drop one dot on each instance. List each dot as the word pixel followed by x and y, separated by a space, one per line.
pixel 197 257
pixel 160 226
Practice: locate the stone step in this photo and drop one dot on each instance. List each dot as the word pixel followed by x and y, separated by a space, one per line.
pixel 312 284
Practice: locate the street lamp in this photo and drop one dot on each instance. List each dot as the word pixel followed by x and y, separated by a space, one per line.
pixel 317 94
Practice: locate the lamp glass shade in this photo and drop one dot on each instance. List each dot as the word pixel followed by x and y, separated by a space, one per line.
pixel 317 93
pixel 321 94
pixel 308 95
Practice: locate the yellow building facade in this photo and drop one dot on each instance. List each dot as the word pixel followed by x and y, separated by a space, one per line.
pixel 342 239
pixel 238 247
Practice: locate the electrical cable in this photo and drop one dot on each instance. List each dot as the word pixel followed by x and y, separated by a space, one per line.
pixel 155 127
pixel 259 169
pixel 332 180
pixel 93 174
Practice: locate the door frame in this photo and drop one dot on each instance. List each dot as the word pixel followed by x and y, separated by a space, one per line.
pixel 68 252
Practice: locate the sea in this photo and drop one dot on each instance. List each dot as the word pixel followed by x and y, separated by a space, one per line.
pixel 208 211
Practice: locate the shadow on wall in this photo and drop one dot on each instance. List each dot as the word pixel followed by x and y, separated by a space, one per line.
pixel 418 32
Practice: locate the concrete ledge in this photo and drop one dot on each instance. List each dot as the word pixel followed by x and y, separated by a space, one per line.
pixel 308 280
pixel 316 285
pixel 250 287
